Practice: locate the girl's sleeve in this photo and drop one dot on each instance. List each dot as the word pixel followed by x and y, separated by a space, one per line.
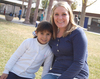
pixel 79 42
pixel 14 58
pixel 47 63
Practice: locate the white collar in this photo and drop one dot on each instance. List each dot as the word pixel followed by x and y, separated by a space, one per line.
pixel 41 45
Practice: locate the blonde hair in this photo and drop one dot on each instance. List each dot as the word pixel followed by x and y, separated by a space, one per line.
pixel 71 25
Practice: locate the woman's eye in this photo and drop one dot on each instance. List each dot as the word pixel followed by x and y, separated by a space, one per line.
pixel 56 14
pixel 64 14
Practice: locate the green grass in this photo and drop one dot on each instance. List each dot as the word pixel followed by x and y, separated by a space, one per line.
pixel 94 55
pixel 12 35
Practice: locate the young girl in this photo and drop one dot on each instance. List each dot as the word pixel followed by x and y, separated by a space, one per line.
pixel 30 55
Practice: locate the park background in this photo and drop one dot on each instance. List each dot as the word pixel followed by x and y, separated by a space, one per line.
pixel 13 33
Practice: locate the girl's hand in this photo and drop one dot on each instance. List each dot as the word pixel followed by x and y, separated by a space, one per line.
pixel 4 76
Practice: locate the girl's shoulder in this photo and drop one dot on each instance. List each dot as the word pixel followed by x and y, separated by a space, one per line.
pixel 29 40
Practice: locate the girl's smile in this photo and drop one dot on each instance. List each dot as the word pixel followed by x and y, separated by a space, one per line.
pixel 43 37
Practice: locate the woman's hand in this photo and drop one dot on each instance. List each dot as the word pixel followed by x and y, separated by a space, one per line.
pixel 4 76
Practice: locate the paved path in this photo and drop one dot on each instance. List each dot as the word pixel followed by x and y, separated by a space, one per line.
pixel 16 20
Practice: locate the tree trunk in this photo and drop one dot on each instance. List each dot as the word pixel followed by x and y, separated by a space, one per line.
pixel 50 6
pixel 49 10
pixel 28 12
pixel 82 18
pixel 36 12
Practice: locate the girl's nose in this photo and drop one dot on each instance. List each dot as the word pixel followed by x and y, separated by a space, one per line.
pixel 45 36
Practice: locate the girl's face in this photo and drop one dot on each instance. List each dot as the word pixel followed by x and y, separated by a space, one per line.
pixel 43 37
pixel 61 17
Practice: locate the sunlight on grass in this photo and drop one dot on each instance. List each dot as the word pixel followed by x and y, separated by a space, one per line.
pixel 94 55
pixel 12 35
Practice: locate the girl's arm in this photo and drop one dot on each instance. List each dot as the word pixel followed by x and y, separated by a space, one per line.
pixel 14 58
pixel 47 63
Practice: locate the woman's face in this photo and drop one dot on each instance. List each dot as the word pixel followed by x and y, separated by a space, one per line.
pixel 61 17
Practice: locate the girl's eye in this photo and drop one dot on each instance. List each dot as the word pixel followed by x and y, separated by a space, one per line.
pixel 48 34
pixel 41 33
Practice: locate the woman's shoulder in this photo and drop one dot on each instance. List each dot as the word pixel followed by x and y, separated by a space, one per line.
pixel 78 30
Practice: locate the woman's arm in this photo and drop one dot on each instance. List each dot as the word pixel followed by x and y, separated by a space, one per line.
pixel 79 42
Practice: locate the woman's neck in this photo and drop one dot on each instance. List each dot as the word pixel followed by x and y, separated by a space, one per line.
pixel 60 32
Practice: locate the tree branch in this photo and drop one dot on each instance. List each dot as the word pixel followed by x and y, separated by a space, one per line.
pixel 91 3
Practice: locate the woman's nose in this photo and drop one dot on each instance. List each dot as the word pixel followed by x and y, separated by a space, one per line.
pixel 59 17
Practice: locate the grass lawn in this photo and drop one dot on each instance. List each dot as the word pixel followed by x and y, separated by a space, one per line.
pixel 12 35
pixel 94 55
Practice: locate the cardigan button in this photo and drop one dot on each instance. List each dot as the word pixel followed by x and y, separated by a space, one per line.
pixel 57 50
pixel 57 44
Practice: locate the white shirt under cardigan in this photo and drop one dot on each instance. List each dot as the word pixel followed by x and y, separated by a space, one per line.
pixel 28 58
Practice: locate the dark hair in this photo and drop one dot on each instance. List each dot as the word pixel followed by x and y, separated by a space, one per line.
pixel 44 26
pixel 20 7
pixel 76 15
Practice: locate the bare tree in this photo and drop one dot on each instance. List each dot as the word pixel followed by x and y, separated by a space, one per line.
pixel 49 10
pixel 28 12
pixel 36 12
pixel 84 6
pixel 50 6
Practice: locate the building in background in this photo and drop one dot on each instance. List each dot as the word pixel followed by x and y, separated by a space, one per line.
pixel 7 6
pixel 92 16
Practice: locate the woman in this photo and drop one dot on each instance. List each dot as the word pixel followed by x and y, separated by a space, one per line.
pixel 69 46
